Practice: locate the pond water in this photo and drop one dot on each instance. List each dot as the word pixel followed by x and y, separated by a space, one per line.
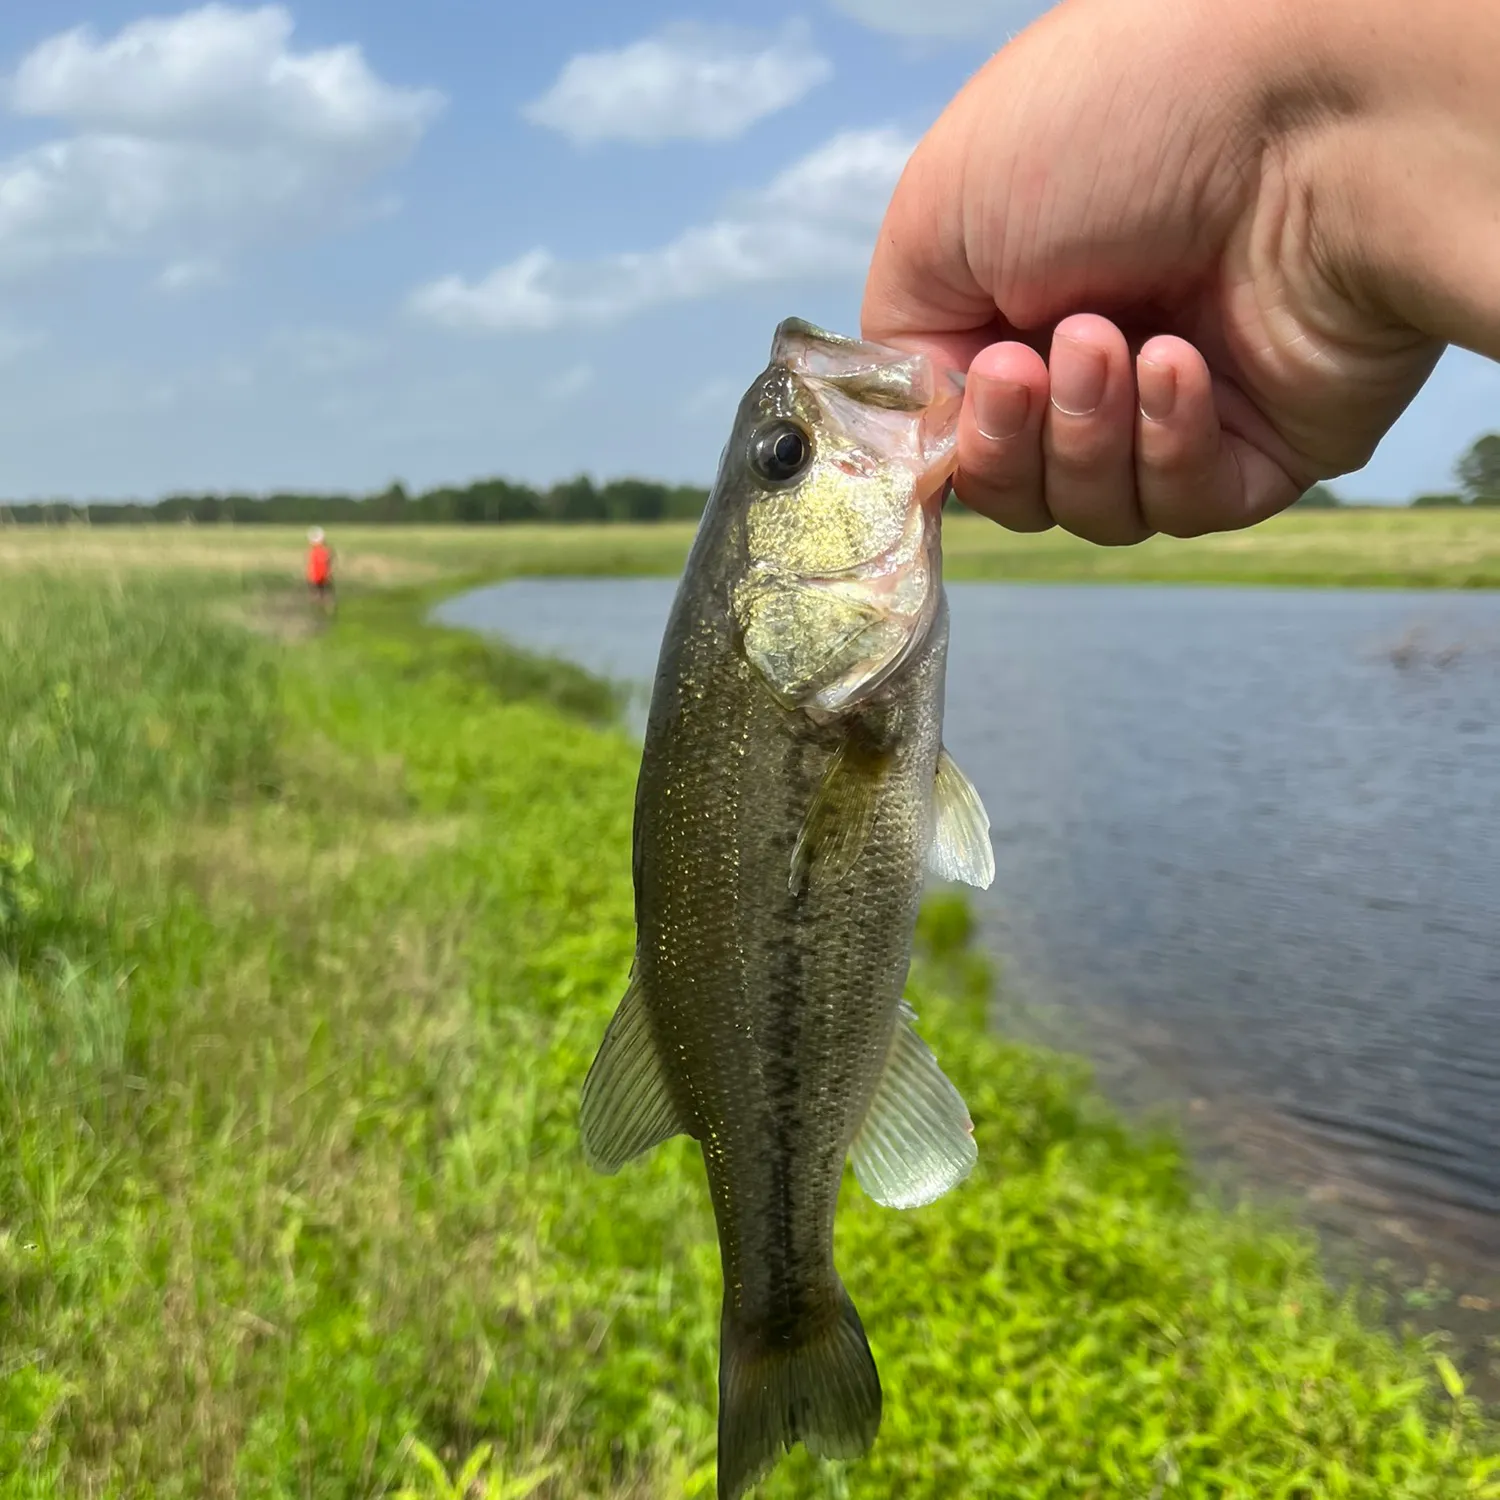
pixel 1248 848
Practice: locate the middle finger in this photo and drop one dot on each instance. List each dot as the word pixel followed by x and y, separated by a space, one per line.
pixel 1089 433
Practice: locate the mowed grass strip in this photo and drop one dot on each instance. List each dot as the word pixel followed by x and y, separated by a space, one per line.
pixel 306 950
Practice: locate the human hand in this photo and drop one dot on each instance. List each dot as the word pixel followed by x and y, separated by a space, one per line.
pixel 1167 201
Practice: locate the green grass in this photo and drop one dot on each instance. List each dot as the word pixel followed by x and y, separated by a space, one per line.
pixel 1367 548
pixel 306 949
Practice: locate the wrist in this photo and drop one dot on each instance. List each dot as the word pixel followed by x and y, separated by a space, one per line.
pixel 1387 118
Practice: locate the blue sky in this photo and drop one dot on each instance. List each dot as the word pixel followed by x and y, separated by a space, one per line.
pixel 328 244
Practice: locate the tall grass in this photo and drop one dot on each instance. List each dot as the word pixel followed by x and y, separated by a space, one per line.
pixel 300 987
pixel 132 704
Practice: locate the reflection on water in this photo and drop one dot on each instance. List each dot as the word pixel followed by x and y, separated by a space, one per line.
pixel 1248 846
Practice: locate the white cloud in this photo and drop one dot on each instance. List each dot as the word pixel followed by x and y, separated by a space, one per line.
pixel 816 219
pixel 688 82
pixel 190 275
pixel 515 296
pixel 942 18
pixel 192 133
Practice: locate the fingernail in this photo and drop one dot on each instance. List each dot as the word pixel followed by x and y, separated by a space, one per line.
pixel 1157 385
pixel 1078 372
pixel 1000 407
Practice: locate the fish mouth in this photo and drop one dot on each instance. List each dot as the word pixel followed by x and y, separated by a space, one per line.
pixel 893 403
pixel 876 374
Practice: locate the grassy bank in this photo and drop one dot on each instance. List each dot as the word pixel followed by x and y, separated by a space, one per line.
pixel 307 943
pixel 1371 548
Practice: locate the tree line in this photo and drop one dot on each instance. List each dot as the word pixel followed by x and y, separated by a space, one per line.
pixel 1477 472
pixel 487 502
pixel 498 502
pixel 1478 475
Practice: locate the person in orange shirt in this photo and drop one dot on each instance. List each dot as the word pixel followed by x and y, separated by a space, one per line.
pixel 320 568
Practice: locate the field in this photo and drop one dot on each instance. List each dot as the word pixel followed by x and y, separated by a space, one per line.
pixel 1370 548
pixel 306 939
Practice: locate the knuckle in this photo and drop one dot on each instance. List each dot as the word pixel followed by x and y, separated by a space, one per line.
pixel 1016 507
pixel 1108 518
pixel 1168 452
pixel 1181 501
pixel 1179 521
pixel 1113 533
pixel 1087 449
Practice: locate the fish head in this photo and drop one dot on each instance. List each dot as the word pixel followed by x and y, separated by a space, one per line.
pixel 840 461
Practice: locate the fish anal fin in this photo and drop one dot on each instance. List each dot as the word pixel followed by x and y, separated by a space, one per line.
pixel 917 1140
pixel 960 848
pixel 839 822
pixel 626 1108
pixel 822 1390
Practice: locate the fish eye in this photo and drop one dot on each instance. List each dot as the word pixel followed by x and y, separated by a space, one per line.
pixel 780 451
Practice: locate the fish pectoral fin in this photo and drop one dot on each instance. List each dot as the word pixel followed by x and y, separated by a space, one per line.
pixel 917 1140
pixel 626 1108
pixel 838 823
pixel 960 848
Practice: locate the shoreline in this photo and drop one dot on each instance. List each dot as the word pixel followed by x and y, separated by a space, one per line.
pixel 1435 1264
pixel 1407 1269
pixel 1427 1254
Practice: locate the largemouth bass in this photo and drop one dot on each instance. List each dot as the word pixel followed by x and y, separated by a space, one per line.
pixel 793 788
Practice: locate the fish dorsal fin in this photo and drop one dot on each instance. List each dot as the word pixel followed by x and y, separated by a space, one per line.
pixel 917 1140
pixel 838 823
pixel 960 847
pixel 626 1109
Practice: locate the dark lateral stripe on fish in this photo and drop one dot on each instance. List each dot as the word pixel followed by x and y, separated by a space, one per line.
pixel 787 997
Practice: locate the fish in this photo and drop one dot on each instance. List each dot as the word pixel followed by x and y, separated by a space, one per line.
pixel 793 793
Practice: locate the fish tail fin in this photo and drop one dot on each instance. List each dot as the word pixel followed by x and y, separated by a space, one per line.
pixel 823 1390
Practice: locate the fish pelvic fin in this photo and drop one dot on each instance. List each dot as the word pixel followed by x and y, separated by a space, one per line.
pixel 960 848
pixel 626 1108
pixel 822 1391
pixel 839 822
pixel 917 1140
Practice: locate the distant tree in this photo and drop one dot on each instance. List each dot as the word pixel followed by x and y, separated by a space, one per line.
pixel 634 500
pixel 1437 500
pixel 575 500
pixel 685 502
pixel 389 507
pixel 1319 497
pixel 515 502
pixel 1478 471
pixel 434 507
